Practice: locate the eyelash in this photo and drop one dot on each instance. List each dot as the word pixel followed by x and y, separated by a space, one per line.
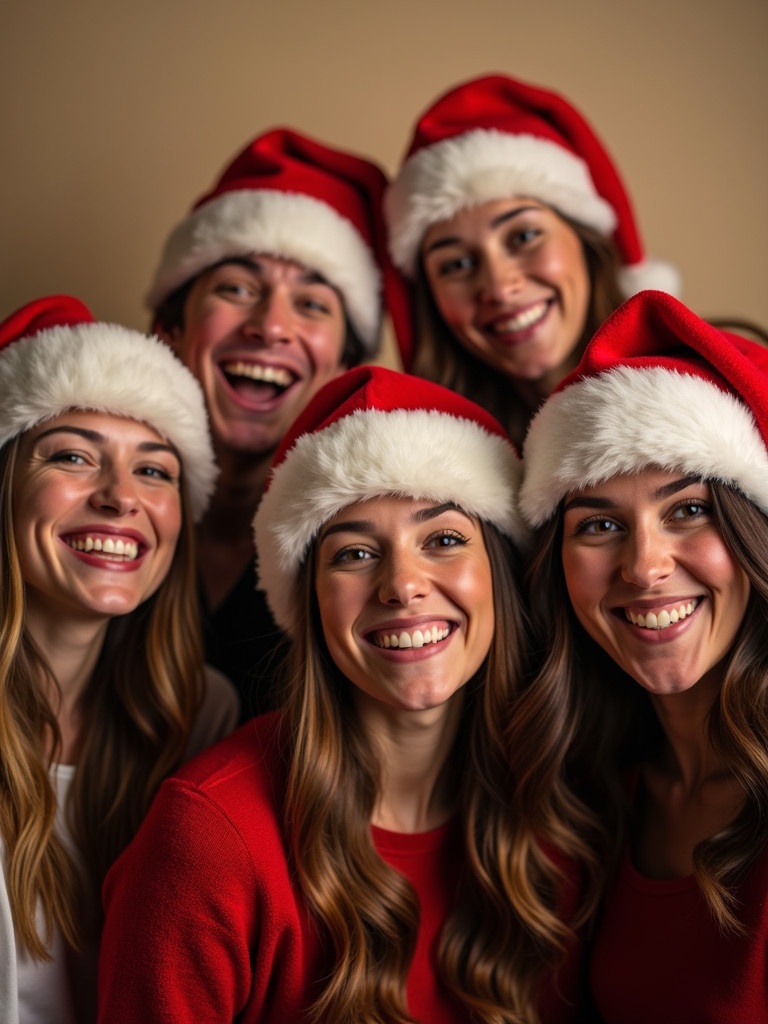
pixel 343 555
pixel 689 504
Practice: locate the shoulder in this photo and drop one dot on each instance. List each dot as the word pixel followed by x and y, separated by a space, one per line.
pixel 247 766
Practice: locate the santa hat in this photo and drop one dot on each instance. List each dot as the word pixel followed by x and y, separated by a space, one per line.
pixel 288 196
pixel 658 387
pixel 54 356
pixel 375 431
pixel 496 137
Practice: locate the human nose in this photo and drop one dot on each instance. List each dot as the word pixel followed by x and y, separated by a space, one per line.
pixel 270 319
pixel 647 557
pixel 500 276
pixel 116 492
pixel 402 579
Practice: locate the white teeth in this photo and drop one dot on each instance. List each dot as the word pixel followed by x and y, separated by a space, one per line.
pixel 522 320
pixel 664 618
pixel 416 639
pixel 123 550
pixel 267 374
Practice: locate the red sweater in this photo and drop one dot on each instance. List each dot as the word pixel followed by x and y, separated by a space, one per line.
pixel 204 922
pixel 659 955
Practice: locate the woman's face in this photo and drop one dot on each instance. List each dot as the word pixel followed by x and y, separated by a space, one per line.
pixel 405 594
pixel 651 579
pixel 96 514
pixel 510 279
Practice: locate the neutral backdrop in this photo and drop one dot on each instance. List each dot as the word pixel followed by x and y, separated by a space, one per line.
pixel 115 116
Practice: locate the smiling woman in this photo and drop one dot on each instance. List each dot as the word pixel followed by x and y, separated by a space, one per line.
pixel 511 221
pixel 363 855
pixel 105 458
pixel 647 480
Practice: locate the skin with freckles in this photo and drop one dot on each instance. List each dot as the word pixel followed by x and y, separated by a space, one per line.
pixel 92 475
pixel 646 545
pixel 394 567
pixel 509 278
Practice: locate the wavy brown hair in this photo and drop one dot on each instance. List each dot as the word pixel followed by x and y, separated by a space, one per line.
pixel 504 931
pixel 136 717
pixel 610 724
pixel 439 356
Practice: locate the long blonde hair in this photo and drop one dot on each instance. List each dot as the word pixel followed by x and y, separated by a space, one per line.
pixel 137 713
pixel 504 931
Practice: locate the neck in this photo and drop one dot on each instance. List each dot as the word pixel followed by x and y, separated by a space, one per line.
pixel 689 756
pixel 417 786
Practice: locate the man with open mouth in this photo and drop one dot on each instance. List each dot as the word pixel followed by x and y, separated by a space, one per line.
pixel 268 289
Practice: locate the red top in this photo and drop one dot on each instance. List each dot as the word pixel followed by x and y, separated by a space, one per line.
pixel 204 922
pixel 659 955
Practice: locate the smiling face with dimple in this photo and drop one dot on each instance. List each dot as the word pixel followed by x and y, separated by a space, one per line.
pixel 651 578
pixel 262 335
pixel 405 593
pixel 510 279
pixel 96 514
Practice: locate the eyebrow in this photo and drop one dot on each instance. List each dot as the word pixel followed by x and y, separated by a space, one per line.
pixel 497 222
pixel 96 438
pixel 665 491
pixel 422 515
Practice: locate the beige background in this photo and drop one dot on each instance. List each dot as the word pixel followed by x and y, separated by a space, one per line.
pixel 115 116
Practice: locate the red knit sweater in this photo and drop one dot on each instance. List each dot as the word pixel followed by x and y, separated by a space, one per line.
pixel 204 922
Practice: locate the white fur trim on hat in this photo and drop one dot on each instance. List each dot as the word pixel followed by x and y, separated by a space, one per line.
pixel 111 369
pixel 418 454
pixel 482 165
pixel 650 274
pixel 286 225
pixel 629 419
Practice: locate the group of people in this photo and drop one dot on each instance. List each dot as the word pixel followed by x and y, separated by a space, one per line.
pixel 332 692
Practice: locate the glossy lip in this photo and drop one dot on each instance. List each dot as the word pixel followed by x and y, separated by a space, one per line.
pixel 101 530
pixel 523 334
pixel 409 626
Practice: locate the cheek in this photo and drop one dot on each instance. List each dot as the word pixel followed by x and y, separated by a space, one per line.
pixel 325 344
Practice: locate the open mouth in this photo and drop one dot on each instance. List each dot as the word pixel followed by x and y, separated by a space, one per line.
pixel 256 381
pixel 410 638
pixel 113 548
pixel 661 619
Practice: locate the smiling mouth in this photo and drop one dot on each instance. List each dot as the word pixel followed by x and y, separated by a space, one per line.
pixel 521 321
pixel 413 638
pixel 113 548
pixel 246 377
pixel 662 619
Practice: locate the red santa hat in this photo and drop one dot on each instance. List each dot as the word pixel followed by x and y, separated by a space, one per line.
pixel 658 387
pixel 54 356
pixel 495 137
pixel 291 197
pixel 375 431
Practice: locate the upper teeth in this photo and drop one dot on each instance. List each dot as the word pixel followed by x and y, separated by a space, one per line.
pixel 415 639
pixel 268 374
pixel 127 549
pixel 662 619
pixel 523 319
